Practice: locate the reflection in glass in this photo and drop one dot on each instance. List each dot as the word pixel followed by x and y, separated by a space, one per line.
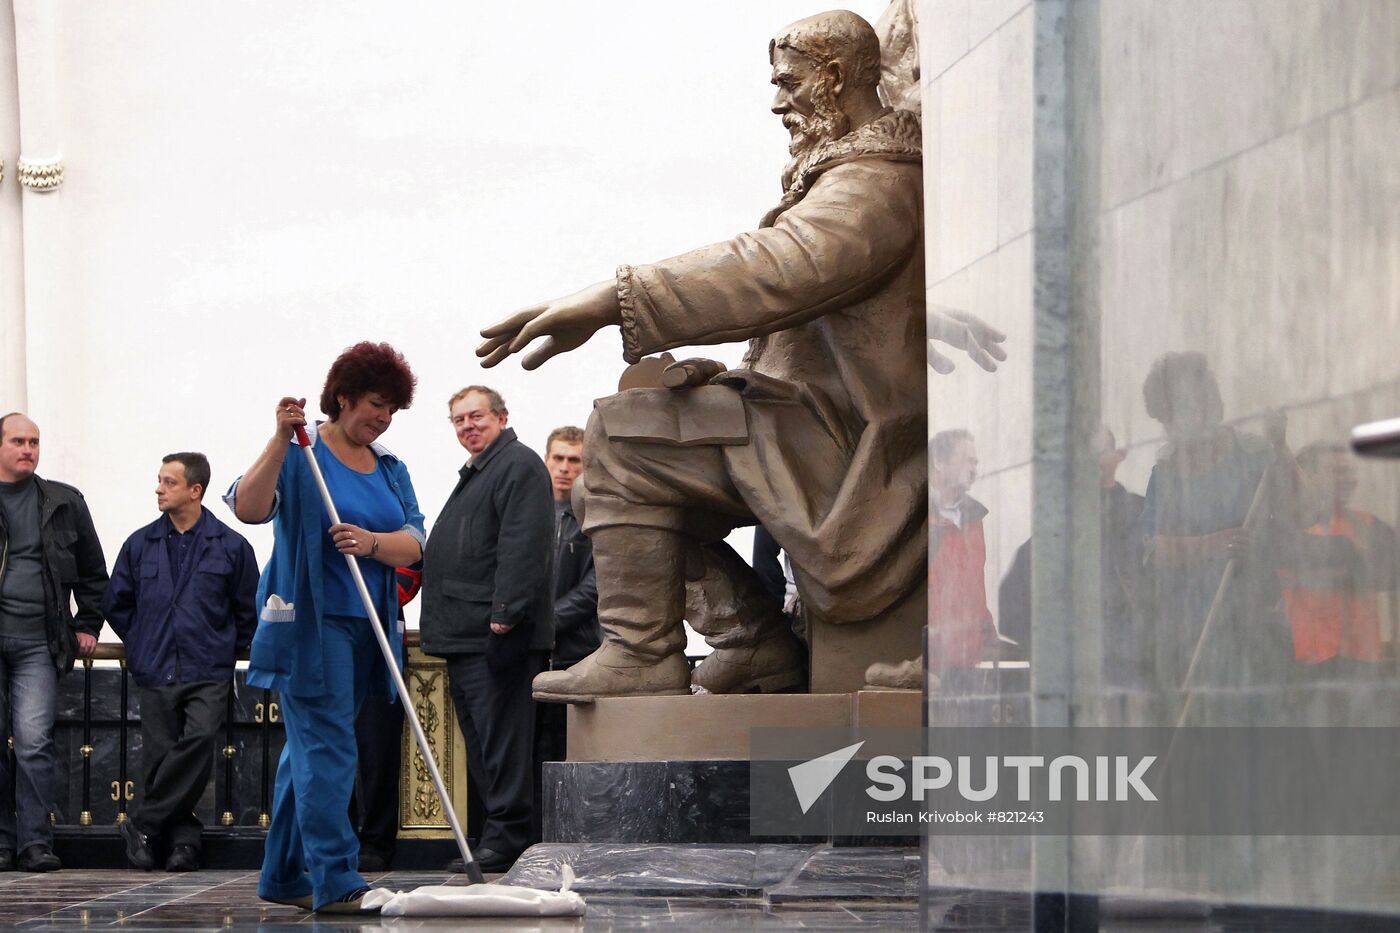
pixel 1215 528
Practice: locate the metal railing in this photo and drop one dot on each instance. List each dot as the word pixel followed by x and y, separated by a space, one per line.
pixel 266 715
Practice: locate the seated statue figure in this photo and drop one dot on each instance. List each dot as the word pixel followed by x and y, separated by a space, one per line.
pixel 819 435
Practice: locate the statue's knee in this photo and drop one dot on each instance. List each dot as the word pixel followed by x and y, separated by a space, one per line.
pixel 606 511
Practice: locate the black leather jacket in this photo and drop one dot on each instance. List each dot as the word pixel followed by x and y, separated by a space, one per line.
pixel 576 630
pixel 73 567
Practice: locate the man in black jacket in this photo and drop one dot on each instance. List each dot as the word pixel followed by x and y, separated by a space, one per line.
pixel 487 611
pixel 182 599
pixel 49 555
pixel 576 630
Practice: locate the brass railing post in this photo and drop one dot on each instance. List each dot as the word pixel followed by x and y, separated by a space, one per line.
pixel 122 783
pixel 265 716
pixel 85 817
pixel 230 750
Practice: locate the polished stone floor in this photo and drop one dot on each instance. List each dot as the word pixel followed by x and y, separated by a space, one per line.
pixel 225 900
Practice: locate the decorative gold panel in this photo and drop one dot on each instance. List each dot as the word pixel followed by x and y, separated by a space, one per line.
pixel 420 812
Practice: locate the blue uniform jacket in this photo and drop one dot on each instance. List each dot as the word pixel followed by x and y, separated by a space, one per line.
pixel 189 630
pixel 286 651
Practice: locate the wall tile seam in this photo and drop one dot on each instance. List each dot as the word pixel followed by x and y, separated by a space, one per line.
pixel 1223 160
pixel 972 262
pixel 980 42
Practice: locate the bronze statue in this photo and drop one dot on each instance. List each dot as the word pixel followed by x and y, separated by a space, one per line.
pixel 819 436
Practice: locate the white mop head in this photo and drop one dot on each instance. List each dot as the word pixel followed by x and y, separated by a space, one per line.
pixel 479 900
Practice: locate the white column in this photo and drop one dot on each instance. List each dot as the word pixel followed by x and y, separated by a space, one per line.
pixel 13 383
pixel 51 348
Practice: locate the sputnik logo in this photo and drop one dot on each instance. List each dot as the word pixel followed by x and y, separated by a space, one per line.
pixel 811 778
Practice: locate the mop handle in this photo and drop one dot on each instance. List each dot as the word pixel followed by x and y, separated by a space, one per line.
pixel 384 648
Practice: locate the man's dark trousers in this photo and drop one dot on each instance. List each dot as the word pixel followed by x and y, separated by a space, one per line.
pixel 374 812
pixel 497 714
pixel 180 727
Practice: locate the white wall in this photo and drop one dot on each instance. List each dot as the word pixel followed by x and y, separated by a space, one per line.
pixel 252 187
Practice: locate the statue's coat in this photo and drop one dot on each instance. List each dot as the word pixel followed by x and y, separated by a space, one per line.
pixel 831 293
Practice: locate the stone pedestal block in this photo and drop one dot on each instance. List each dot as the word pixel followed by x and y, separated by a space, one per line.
pixel 841 653
pixel 676 769
pixel 713 727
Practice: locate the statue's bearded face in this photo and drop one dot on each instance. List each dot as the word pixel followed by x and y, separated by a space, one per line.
pixel 806 100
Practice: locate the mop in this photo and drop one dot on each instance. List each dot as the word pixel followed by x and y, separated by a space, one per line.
pixel 477 898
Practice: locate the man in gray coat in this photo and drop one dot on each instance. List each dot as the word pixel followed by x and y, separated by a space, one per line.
pixel 487 610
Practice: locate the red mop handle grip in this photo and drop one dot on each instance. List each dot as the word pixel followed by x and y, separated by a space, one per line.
pixel 302 437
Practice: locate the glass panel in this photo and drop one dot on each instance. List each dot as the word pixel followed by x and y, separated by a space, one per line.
pixel 1184 217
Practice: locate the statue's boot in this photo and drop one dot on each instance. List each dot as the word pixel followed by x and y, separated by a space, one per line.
pixel 641 593
pixel 754 647
pixel 776 664
pixel 905 675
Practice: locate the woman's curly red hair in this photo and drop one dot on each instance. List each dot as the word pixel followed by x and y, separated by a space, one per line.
pixel 364 368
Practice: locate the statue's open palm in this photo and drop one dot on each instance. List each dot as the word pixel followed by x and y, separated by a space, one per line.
pixel 565 323
pixel 969 333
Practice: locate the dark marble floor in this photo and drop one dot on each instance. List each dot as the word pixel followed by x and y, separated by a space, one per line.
pixel 226 900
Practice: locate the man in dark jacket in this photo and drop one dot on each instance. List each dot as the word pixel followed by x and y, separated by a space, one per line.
pixel 576 630
pixel 49 556
pixel 182 600
pixel 487 611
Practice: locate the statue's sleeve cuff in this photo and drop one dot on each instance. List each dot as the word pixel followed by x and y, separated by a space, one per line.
pixel 627 288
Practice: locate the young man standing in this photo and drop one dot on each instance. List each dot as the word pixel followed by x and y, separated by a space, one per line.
pixel 576 630
pixel 182 599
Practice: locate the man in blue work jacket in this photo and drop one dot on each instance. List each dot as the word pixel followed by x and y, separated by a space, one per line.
pixel 182 600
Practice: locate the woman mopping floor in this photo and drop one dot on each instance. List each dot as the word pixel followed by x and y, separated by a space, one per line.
pixel 324 592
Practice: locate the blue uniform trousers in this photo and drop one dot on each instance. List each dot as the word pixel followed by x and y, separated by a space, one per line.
pixel 311 846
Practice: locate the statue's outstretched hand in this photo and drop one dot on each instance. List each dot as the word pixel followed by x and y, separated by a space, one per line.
pixel 565 323
pixel 980 340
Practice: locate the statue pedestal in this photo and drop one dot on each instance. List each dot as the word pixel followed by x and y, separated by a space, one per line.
pixel 841 653
pixel 676 769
